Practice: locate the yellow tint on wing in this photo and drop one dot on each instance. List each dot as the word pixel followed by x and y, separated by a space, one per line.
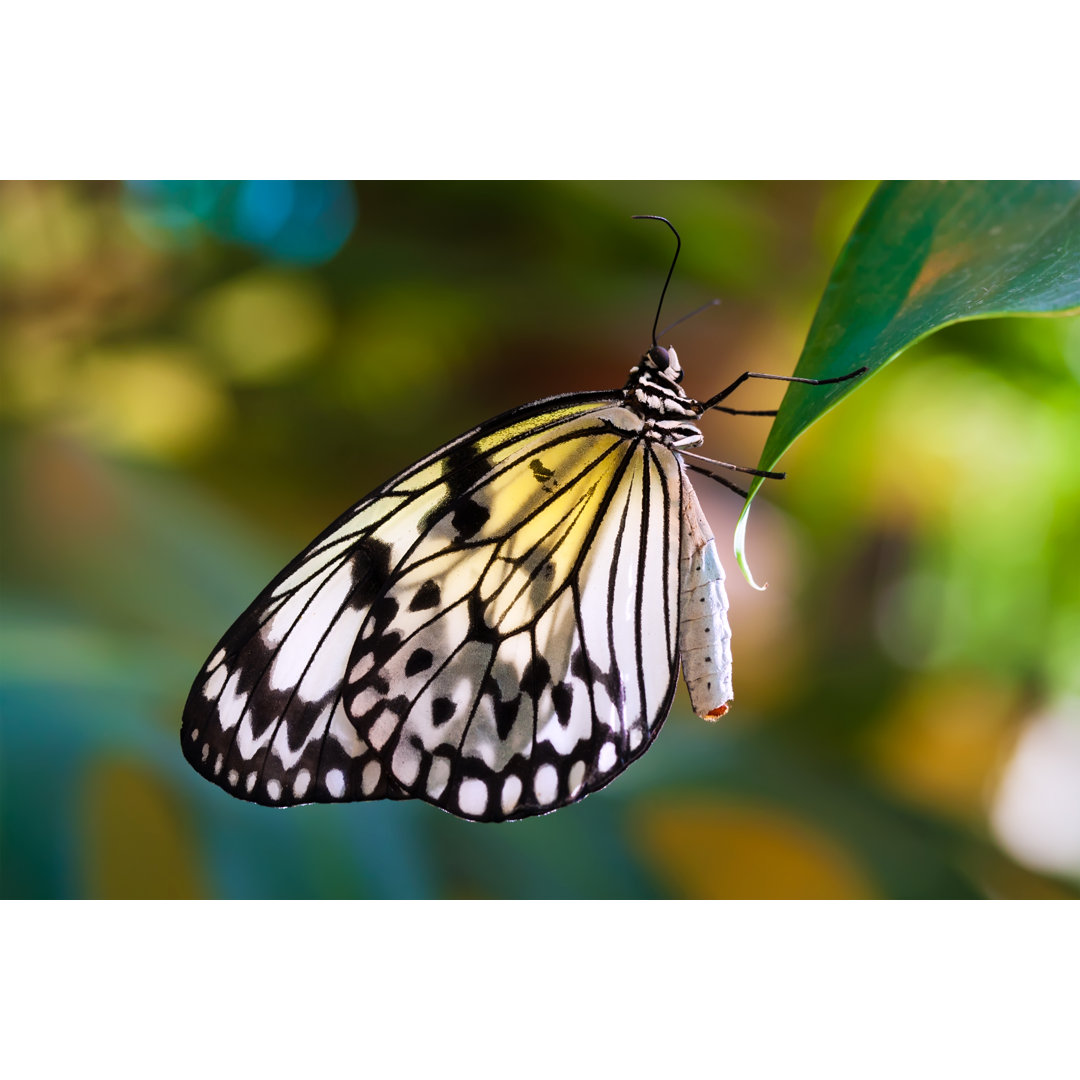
pixel 547 521
pixel 543 484
pixel 536 514
pixel 527 424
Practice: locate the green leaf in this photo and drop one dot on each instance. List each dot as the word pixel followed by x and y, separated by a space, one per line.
pixel 926 254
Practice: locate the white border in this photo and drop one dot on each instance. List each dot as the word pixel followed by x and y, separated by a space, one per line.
pixel 580 89
pixel 746 989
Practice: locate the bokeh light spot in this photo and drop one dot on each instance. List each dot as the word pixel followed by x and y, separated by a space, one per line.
pixel 148 401
pixel 263 209
pixel 264 324
pixel 299 221
pixel 943 741
pixel 1036 812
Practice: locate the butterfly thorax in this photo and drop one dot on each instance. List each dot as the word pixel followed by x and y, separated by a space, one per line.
pixel 654 393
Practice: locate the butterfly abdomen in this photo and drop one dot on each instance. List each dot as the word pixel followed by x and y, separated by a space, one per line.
pixel 704 633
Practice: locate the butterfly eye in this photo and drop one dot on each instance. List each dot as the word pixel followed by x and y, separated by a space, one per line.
pixel 666 361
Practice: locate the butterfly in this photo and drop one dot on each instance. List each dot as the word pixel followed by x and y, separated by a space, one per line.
pixel 498 630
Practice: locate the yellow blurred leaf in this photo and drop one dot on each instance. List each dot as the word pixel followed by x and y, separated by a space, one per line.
pixel 137 845
pixel 708 849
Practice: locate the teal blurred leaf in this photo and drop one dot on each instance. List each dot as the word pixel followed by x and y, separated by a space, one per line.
pixel 926 254
pixel 306 222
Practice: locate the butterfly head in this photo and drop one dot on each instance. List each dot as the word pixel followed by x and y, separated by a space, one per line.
pixel 663 361
pixel 654 393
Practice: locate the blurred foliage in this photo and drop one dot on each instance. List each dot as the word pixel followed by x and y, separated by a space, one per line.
pixel 195 379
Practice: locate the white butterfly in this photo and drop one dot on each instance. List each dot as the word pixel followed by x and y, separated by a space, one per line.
pixel 497 630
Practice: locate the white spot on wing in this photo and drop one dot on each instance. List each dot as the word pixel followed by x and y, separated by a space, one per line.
pixel 361 667
pixel 577 777
pixel 214 684
pixel 606 711
pixel 607 757
pixel 365 701
pixel 327 670
pixel 383 728
pixel 286 754
pixel 307 631
pixel 369 779
pixel 247 743
pixel 511 792
pixel 215 660
pixel 273 789
pixel 231 704
pixel 300 784
pixel 578 724
pixel 234 778
pixel 546 784
pixel 335 783
pixel 284 613
pixel 473 797
pixel 438 775
pixel 406 763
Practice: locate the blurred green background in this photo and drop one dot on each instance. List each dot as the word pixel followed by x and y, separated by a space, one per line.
pixel 196 378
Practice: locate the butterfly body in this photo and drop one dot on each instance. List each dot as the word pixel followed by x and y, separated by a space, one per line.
pixel 497 630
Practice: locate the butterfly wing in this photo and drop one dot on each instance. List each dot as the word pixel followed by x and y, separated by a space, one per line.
pixel 493 631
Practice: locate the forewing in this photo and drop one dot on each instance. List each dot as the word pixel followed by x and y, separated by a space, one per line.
pixel 265 718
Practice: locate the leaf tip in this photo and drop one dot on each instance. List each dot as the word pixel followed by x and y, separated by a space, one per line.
pixel 740 548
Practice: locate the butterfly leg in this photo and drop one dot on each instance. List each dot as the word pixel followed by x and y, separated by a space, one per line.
pixel 714 401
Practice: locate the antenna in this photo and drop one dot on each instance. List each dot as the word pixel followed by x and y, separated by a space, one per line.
pixel 690 315
pixel 678 246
